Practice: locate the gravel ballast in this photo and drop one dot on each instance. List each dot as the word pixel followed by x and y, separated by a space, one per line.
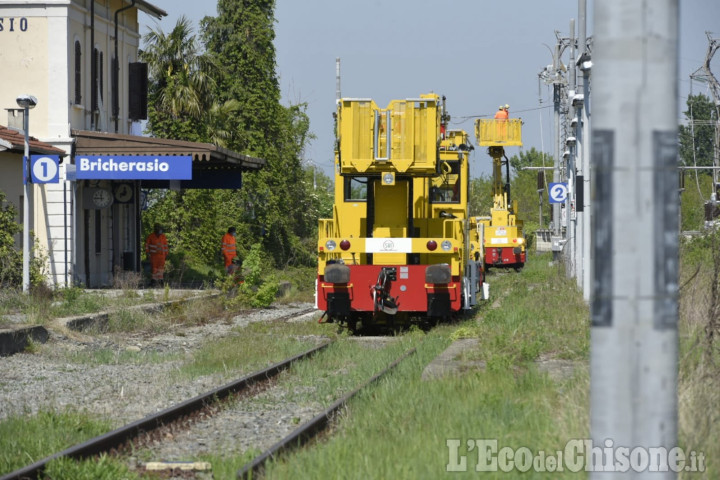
pixel 126 392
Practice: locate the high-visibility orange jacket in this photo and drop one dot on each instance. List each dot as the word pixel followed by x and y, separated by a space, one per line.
pixel 228 248
pixel 501 115
pixel 156 247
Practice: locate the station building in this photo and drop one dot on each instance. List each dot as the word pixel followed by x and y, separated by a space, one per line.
pixel 79 58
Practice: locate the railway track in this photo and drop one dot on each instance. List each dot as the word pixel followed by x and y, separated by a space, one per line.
pixel 117 439
pixel 294 315
pixel 312 427
pixel 166 433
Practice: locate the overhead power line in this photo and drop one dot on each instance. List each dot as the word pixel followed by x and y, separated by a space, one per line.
pixel 465 118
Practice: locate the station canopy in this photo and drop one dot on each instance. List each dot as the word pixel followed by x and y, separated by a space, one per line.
pixel 212 166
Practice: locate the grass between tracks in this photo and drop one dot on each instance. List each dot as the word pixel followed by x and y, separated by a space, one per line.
pixel 402 428
pixel 25 440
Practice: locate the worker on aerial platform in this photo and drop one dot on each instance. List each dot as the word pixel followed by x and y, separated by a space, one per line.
pixel 502 113
pixel 501 118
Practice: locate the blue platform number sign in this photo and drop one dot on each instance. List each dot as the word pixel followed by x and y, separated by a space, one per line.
pixel 558 192
pixel 45 168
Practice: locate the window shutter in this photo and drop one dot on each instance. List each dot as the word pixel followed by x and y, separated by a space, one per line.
pixel 138 95
pixel 94 81
pixel 78 73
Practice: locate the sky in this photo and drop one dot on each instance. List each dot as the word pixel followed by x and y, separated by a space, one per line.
pixel 478 53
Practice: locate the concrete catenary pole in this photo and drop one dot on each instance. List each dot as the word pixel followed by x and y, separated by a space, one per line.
pixel 577 102
pixel 557 175
pixel 570 257
pixel 634 307
pixel 585 64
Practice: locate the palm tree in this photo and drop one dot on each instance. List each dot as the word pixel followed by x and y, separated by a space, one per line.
pixel 182 77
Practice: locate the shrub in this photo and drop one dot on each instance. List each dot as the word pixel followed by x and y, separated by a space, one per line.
pixel 10 257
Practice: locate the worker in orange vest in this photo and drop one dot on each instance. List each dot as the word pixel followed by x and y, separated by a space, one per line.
pixel 229 250
pixel 502 113
pixel 156 247
pixel 501 117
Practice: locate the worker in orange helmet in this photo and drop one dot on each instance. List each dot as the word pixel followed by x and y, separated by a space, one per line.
pixel 156 247
pixel 229 250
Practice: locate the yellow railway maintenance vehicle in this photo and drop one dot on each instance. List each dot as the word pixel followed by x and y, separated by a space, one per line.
pixel 504 241
pixel 400 245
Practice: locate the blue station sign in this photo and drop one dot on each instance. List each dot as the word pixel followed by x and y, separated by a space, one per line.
pixel 131 167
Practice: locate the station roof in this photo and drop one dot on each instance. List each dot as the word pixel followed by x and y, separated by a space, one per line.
pixel 149 8
pixel 203 154
pixel 13 140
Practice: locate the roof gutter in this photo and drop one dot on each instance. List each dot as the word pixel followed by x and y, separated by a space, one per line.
pixel 116 69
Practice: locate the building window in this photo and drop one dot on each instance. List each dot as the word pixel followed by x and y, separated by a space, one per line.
pixel 78 73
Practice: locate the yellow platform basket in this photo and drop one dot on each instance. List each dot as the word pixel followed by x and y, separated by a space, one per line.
pixel 499 133
pixel 400 138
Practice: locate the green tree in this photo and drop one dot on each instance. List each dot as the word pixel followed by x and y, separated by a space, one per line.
pixel 480 199
pixel 241 38
pixel 698 186
pixel 228 95
pixel 182 82
pixel 275 199
pixel 524 188
pixel 696 138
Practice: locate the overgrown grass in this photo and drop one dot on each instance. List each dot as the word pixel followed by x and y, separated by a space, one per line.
pixel 291 329
pixel 699 362
pixel 537 312
pixel 107 356
pixel 102 468
pixel 224 467
pixel 43 304
pixel 302 284
pixel 339 369
pixel 27 439
pixel 251 348
pixel 399 428
pixel 198 312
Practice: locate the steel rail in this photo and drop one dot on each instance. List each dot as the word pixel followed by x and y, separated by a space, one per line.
pixel 312 427
pixel 116 438
pixel 294 315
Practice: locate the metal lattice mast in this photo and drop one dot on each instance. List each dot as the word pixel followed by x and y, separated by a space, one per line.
pixel 704 74
pixel 555 75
